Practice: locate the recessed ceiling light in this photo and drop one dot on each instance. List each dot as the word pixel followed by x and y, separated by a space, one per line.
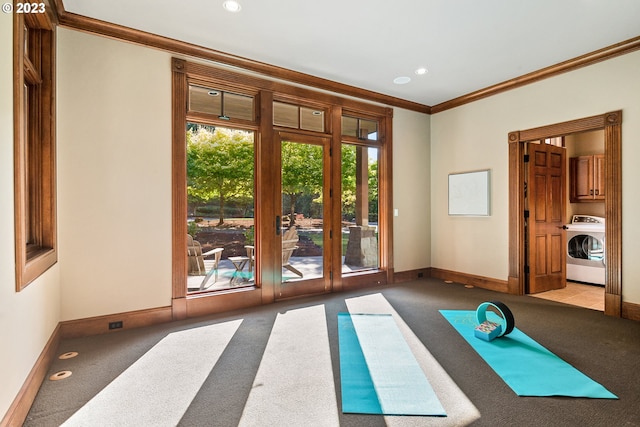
pixel 421 71
pixel 402 80
pixel 231 6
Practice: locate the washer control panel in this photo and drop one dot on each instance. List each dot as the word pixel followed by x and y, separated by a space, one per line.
pixel 587 219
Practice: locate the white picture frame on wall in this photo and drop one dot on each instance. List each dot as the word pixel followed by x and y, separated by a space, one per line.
pixel 469 193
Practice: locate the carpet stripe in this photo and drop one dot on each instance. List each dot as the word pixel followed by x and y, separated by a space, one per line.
pixel 524 365
pixel 294 384
pixel 400 384
pixel 158 388
pixel 460 410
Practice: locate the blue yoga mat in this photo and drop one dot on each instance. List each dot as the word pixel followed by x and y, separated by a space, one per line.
pixel 378 372
pixel 526 366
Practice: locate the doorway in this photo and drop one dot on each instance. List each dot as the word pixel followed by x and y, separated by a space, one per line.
pixel 611 123
pixel 220 164
pixel 302 229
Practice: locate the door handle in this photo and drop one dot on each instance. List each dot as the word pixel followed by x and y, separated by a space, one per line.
pixel 278 225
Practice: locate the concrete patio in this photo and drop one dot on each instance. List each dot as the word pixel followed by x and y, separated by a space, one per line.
pixel 229 277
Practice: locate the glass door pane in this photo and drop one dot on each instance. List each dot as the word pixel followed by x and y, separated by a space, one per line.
pixel 305 202
pixel 220 208
pixel 359 208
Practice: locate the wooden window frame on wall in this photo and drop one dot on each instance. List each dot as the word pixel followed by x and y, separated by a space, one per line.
pixel 185 72
pixel 385 273
pixel 34 145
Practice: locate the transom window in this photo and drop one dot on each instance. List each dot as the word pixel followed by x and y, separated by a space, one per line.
pixel 298 117
pixel 222 104
pixel 362 129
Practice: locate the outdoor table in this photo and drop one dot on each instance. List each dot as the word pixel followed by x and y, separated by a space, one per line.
pixel 239 262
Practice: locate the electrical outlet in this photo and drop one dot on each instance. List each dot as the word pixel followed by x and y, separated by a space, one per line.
pixel 115 325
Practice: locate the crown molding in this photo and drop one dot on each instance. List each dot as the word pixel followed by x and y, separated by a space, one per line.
pixel 119 32
pixel 609 52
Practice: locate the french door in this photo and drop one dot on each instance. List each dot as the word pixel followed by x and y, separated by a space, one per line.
pixel 261 209
pixel 302 235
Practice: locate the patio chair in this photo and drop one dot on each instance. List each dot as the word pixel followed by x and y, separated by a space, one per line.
pixel 194 253
pixel 290 244
pixel 196 261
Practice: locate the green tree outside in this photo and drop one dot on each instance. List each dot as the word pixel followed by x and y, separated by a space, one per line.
pixel 302 174
pixel 219 165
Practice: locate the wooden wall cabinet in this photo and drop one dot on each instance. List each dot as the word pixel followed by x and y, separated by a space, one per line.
pixel 586 178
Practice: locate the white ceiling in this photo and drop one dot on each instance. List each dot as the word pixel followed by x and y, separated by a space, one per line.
pixel 466 45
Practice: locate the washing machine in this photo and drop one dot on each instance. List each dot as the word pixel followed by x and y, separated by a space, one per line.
pixel 585 249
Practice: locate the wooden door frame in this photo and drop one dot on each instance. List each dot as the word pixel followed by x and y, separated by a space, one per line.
pixel 611 123
pixel 185 72
pixel 323 141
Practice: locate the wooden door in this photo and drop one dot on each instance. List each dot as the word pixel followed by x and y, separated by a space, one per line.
pixel 546 198
pixel 303 233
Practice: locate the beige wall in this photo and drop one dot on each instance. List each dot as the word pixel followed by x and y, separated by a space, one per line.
pixel 114 129
pixel 114 132
pixel 27 318
pixel 585 143
pixel 411 183
pixel 114 175
pixel 474 136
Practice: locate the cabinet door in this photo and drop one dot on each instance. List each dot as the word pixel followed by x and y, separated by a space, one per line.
pixel 581 173
pixel 598 177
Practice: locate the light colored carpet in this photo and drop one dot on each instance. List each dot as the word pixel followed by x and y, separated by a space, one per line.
pixel 294 383
pixel 159 387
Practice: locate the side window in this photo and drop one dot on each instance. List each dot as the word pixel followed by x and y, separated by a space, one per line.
pixel 360 190
pixel 34 146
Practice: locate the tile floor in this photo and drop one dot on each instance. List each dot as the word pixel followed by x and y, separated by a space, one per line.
pixel 580 294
